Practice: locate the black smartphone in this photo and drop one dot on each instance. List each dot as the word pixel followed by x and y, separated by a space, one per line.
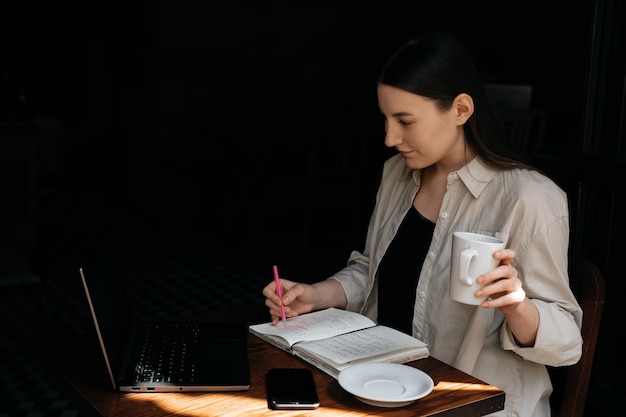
pixel 291 389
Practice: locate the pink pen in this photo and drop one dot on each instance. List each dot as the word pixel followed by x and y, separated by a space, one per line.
pixel 279 291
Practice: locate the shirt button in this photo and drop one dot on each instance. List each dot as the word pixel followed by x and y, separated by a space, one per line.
pixel 455 176
pixel 431 254
pixel 422 294
pixel 419 335
pixel 444 215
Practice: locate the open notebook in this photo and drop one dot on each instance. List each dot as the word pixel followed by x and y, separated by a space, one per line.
pixel 164 356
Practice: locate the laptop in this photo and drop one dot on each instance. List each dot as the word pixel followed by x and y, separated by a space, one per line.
pixel 163 356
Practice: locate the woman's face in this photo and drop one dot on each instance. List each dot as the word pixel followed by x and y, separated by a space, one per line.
pixel 423 134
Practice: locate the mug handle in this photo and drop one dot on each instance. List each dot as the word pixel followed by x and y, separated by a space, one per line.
pixel 466 259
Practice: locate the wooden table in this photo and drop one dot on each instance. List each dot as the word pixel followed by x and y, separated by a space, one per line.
pixel 455 393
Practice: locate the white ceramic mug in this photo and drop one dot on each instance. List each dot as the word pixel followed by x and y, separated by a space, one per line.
pixel 472 255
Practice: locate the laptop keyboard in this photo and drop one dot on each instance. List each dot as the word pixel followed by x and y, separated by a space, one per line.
pixel 168 353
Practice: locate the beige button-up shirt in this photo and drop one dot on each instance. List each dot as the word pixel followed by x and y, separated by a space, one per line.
pixel 530 213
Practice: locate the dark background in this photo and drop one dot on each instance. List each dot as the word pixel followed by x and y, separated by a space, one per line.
pixel 173 107
pixel 186 113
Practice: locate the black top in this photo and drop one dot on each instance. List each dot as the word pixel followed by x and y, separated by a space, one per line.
pixel 399 271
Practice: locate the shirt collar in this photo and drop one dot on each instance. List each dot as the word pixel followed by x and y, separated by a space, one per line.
pixel 475 175
pixel 407 172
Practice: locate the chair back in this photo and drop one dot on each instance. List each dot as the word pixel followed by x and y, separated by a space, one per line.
pixel 586 275
pixel 525 128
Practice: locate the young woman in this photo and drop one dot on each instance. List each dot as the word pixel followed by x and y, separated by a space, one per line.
pixel 452 173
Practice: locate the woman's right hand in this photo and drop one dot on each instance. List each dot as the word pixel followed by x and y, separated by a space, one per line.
pixel 298 298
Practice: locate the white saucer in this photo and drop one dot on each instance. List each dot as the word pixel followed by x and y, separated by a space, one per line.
pixel 385 384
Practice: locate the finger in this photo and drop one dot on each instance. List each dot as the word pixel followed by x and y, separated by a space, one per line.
pixel 499 299
pixel 292 294
pixel 498 286
pixel 270 294
pixel 506 256
pixel 285 284
pixel 504 300
pixel 275 316
pixel 273 307
pixel 501 272
pixel 269 290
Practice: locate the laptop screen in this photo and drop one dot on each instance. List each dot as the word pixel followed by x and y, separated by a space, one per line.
pixel 110 307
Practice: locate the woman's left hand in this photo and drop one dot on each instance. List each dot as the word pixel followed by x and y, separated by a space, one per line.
pixel 503 290
pixel 502 286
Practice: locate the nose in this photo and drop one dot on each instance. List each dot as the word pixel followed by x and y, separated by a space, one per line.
pixel 392 137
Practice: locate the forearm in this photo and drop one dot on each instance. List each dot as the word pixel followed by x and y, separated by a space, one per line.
pixel 523 320
pixel 329 293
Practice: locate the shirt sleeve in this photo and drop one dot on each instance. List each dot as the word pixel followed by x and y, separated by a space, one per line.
pixel 353 279
pixel 557 343
pixel 541 261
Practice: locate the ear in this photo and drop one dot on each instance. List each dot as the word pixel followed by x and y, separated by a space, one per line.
pixel 464 106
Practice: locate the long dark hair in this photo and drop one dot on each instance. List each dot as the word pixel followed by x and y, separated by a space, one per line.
pixel 437 66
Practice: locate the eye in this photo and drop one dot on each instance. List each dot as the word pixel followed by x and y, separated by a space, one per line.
pixel 404 123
